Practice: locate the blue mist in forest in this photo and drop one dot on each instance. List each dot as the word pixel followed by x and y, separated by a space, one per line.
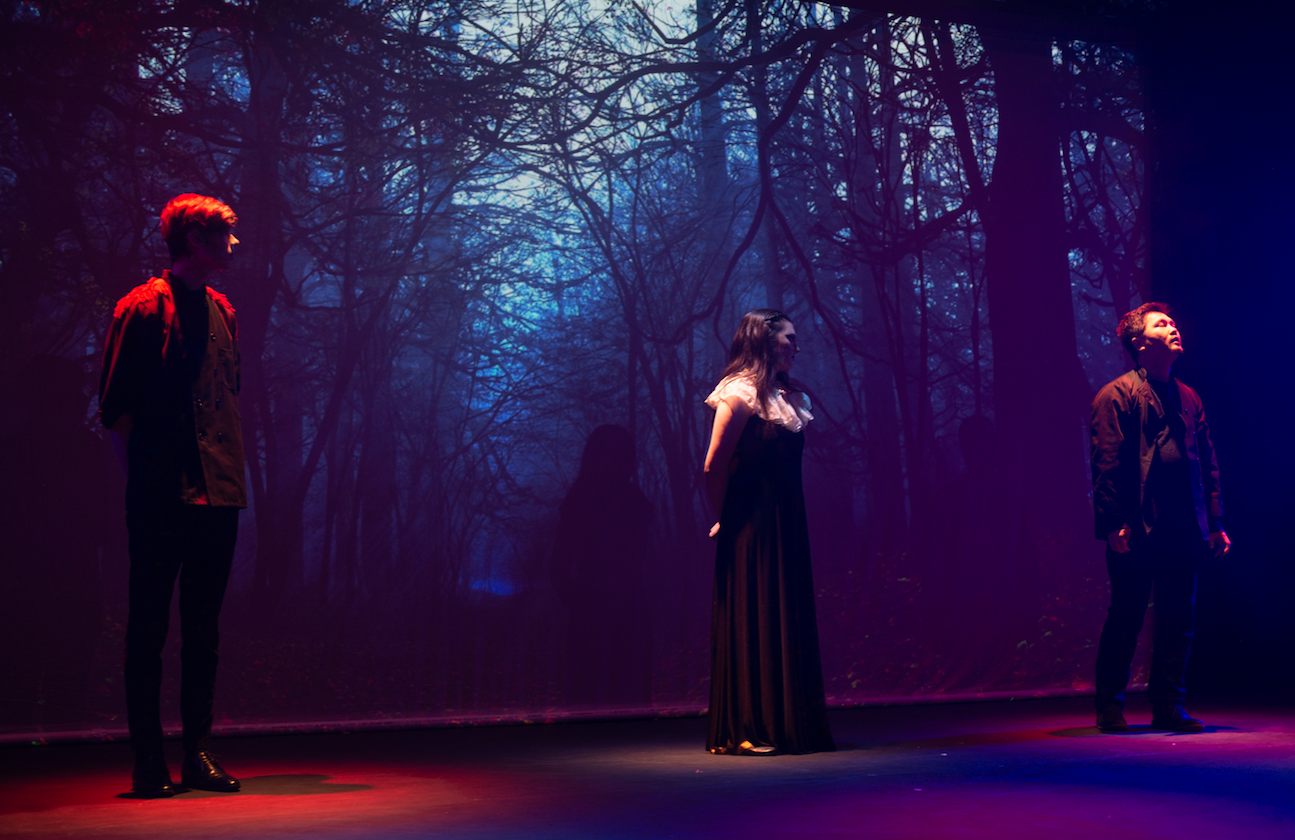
pixel 494 584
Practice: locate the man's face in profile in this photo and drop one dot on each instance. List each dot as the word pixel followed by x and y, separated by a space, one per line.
pixel 216 251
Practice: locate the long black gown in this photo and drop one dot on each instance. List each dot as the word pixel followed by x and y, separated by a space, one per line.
pixel 766 675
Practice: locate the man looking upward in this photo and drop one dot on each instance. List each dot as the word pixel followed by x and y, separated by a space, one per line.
pixel 169 393
pixel 1157 506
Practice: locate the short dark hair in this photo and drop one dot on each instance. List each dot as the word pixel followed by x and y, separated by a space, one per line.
pixel 1134 323
pixel 191 211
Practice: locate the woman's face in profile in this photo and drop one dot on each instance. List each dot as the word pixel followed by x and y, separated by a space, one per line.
pixel 784 346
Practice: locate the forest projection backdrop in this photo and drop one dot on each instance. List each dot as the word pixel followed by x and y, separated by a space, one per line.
pixel 473 231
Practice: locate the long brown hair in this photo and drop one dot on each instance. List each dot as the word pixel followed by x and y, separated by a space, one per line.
pixel 752 351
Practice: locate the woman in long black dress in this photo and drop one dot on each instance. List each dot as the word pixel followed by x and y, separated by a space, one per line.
pixel 766 692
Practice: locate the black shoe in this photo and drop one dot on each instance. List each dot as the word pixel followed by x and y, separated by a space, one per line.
pixel 200 771
pixel 1175 719
pixel 151 779
pixel 1111 719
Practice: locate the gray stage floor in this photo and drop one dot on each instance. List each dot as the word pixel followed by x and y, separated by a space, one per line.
pixel 1031 768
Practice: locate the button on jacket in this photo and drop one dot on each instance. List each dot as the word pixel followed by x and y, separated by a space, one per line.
pixel 186 442
pixel 1127 417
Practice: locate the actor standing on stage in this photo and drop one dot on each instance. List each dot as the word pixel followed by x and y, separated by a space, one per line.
pixel 1157 505
pixel 766 676
pixel 169 393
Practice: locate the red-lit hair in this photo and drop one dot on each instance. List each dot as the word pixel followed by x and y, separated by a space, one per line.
pixel 191 211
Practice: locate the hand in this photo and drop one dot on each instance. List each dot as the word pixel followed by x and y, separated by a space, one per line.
pixel 714 531
pixel 1119 540
pixel 1219 543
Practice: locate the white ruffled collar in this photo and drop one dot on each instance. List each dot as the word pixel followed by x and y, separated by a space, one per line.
pixel 789 409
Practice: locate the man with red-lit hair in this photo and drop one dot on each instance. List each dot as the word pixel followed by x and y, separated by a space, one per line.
pixel 169 393
pixel 1158 509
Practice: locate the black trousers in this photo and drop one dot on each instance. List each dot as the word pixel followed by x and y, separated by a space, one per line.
pixel 1170 567
pixel 196 544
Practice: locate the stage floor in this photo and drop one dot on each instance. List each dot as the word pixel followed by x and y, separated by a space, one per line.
pixel 1033 768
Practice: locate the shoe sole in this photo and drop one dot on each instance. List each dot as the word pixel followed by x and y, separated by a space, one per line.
pixel 211 788
pixel 152 794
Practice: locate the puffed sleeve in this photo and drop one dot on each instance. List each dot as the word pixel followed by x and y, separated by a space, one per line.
pixel 735 386
pixel 789 409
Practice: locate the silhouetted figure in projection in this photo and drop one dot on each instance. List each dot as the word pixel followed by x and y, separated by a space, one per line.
pixel 960 583
pixel 598 559
pixel 766 678
pixel 169 393
pixel 1157 505
pixel 51 507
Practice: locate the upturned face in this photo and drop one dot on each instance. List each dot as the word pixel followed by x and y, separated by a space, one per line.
pixel 784 346
pixel 1160 337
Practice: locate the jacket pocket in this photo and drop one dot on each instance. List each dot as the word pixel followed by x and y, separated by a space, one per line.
pixel 227 369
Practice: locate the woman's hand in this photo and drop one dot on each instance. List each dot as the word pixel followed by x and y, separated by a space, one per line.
pixel 714 531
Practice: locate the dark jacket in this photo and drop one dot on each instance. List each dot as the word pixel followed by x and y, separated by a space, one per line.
pixel 186 442
pixel 1127 416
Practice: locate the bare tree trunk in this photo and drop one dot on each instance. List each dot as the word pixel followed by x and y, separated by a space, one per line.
pixel 261 272
pixel 377 470
pixel 766 243
pixel 1040 391
pixel 884 487
pixel 713 167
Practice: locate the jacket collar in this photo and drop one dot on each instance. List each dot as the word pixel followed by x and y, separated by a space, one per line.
pixel 178 288
pixel 1143 382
